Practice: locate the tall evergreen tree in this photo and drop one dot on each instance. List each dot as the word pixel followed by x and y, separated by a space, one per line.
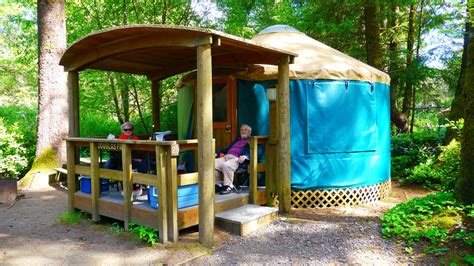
pixel 464 189
pixel 457 107
pixel 52 91
pixel 372 34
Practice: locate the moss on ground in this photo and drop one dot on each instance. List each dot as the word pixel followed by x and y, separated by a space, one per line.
pixel 446 219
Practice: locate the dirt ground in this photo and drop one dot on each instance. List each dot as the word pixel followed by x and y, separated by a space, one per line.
pixel 30 233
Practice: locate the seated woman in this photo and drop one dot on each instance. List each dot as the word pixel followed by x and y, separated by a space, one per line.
pixel 115 161
pixel 138 163
pixel 127 132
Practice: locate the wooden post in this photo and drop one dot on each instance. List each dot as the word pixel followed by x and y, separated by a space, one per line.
pixel 284 160
pixel 172 192
pixel 271 157
pixel 269 173
pixel 73 102
pixel 127 184
pixel 95 181
pixel 162 193
pixel 71 175
pixel 205 152
pixel 253 170
pixel 155 104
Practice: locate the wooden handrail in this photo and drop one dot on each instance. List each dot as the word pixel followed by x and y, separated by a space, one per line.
pixel 121 141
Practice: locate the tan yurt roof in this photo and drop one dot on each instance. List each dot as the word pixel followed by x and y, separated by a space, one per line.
pixel 315 60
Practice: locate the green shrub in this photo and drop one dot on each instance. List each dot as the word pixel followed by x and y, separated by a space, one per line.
pixel 438 172
pixel 70 217
pixel 116 228
pixel 428 119
pixel 409 150
pixel 21 121
pixel 96 125
pixel 430 218
pixel 144 233
pixel 12 154
pixel 436 220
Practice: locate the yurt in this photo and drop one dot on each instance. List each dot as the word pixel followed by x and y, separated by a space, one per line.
pixel 339 117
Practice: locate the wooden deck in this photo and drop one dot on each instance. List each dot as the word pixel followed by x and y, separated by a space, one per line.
pixel 164 178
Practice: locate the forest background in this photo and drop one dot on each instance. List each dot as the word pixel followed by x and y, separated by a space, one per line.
pixel 421 44
pixel 418 43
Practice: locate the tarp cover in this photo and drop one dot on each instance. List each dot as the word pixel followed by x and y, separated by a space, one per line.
pixel 340 130
pixel 186 122
pixel 315 60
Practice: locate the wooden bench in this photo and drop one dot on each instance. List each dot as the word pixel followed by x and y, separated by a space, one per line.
pixel 59 171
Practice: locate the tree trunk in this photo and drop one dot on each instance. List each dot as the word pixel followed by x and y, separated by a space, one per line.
pixel 398 119
pixel 408 94
pixel 118 113
pixel 52 80
pixel 464 189
pixel 139 109
pixel 457 104
pixel 125 96
pixel 372 34
pixel 417 55
pixel 156 104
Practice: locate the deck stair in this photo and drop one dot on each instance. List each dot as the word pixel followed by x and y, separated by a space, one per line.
pixel 246 219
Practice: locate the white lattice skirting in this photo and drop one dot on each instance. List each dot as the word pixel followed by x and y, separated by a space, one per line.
pixel 340 197
pixel 337 197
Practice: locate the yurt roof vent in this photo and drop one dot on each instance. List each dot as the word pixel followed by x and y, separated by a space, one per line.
pixel 278 28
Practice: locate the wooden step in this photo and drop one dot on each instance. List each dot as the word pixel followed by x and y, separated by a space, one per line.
pixel 246 219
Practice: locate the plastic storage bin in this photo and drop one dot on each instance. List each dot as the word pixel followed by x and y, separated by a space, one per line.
pixel 187 196
pixel 86 184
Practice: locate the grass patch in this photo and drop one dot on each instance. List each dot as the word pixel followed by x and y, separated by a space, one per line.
pixel 71 218
pixel 116 229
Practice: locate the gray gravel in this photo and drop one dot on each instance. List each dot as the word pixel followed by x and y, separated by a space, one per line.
pixel 319 238
pixel 31 235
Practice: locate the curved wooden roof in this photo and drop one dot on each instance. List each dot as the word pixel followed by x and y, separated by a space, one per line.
pixel 160 51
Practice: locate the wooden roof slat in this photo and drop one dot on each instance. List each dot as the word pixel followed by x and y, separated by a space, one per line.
pixel 162 51
pixel 126 66
pixel 140 42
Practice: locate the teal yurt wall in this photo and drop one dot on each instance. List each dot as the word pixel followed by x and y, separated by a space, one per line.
pixel 339 113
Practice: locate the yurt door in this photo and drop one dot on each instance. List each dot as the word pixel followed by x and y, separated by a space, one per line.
pixel 224 111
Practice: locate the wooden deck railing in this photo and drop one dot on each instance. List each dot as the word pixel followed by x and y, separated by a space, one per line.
pixel 165 179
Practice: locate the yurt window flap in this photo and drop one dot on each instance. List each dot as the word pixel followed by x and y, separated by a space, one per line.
pixel 341 117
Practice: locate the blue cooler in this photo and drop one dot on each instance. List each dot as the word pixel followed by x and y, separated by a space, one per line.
pixel 86 184
pixel 187 196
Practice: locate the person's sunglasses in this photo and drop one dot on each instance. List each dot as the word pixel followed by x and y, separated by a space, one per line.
pixel 127 129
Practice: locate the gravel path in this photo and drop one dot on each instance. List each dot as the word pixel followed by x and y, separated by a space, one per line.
pixel 298 241
pixel 31 235
pixel 345 235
